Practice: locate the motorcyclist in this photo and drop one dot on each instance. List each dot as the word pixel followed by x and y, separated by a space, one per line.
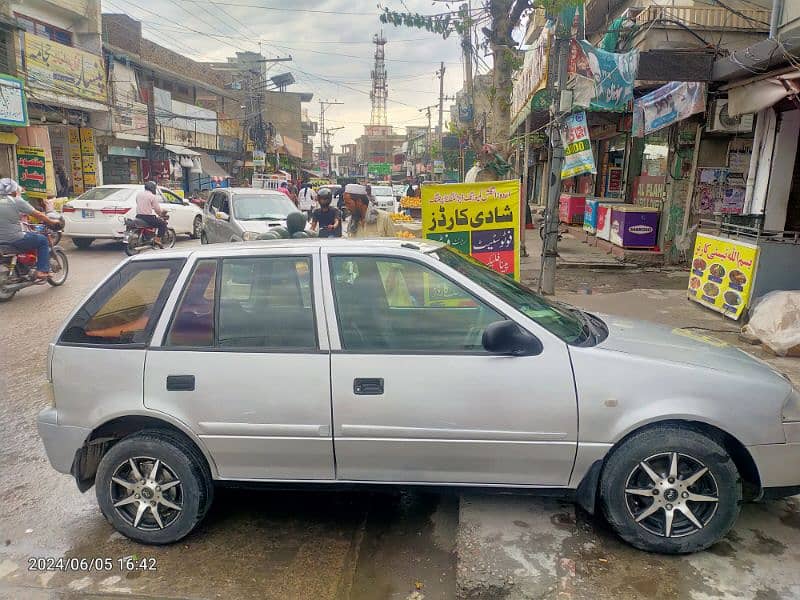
pixel 12 205
pixel 149 210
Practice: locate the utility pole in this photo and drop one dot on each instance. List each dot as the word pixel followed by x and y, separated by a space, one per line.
pixel 427 110
pixel 547 280
pixel 323 149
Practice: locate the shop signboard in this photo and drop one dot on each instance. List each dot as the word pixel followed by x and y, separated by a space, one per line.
pixel 13 104
pixel 578 156
pixel 649 190
pixel 668 104
pixel 478 219
pixel 614 181
pixel 31 171
pixel 88 159
pixel 438 167
pixel 60 69
pixel 532 77
pixel 259 158
pixel 601 80
pixel 379 169
pixel 75 160
pixel 722 274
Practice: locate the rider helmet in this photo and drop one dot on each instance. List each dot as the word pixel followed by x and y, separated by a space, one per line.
pixel 150 186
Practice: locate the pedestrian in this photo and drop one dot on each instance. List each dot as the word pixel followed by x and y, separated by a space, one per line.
pixel 366 220
pixel 12 207
pixel 409 188
pixel 283 188
pixel 149 210
pixel 326 217
pixel 306 199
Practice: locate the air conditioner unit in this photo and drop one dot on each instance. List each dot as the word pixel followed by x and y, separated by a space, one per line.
pixel 721 121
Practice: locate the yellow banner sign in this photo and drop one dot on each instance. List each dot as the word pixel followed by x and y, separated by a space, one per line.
pixel 722 274
pixel 60 69
pixel 478 219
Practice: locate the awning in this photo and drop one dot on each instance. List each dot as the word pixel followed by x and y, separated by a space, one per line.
pixel 317 174
pixel 758 95
pixel 180 150
pixel 210 167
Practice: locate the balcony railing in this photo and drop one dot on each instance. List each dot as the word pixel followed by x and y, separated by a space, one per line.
pixel 706 18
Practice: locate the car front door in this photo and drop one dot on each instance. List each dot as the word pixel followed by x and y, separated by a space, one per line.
pixel 211 224
pixel 243 362
pixel 416 398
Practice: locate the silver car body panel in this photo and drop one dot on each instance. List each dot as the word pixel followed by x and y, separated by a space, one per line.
pixel 233 229
pixel 479 430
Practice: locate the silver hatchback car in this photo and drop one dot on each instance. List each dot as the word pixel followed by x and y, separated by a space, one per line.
pixel 392 362
pixel 242 214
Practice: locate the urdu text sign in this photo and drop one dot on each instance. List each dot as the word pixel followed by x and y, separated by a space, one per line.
pixel 479 219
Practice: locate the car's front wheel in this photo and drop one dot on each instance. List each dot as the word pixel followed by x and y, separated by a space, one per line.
pixel 153 487
pixel 197 227
pixel 670 489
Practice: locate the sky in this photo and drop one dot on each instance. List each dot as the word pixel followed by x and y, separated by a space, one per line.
pixel 330 42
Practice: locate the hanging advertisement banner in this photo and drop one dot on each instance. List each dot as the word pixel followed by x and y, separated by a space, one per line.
pixel 668 104
pixel 578 156
pixel 571 18
pixel 478 219
pixel 88 160
pixel 531 78
pixel 61 69
pixel 31 171
pixel 722 274
pixel 601 80
pixel 13 104
pixel 75 160
pixel 259 158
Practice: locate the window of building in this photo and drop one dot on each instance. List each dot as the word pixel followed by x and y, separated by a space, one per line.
pixel 40 28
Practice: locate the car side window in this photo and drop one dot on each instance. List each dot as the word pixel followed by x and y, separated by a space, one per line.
pixel 193 322
pixel 224 203
pixel 396 305
pixel 266 303
pixel 171 198
pixel 126 307
pixel 215 202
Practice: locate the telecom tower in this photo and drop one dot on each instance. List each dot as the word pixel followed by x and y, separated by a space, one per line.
pixel 380 88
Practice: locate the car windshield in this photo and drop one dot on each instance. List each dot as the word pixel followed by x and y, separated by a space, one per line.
pixel 566 322
pixel 382 190
pixel 101 193
pixel 262 207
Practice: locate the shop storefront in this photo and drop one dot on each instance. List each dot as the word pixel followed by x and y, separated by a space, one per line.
pixel 123 165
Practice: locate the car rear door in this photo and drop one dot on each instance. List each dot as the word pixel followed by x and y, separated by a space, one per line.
pixel 415 396
pixel 243 361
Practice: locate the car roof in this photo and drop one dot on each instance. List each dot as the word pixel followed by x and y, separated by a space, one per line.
pixel 213 250
pixel 250 190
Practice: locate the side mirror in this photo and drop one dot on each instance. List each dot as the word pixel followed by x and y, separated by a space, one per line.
pixel 508 338
pixel 222 216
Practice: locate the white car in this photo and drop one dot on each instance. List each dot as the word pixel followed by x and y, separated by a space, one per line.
pixel 100 213
pixel 384 197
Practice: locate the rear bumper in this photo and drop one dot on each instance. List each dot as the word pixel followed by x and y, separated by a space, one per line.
pixel 113 228
pixel 60 441
pixel 778 464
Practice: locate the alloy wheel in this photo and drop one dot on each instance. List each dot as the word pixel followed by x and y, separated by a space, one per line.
pixel 671 494
pixel 146 493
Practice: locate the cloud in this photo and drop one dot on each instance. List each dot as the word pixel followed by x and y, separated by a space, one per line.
pixel 331 50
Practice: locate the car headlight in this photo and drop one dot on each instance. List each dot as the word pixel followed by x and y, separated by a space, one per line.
pixel 791 407
pixel 249 236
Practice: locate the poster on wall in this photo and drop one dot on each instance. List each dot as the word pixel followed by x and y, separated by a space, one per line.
pixel 578 155
pixel 88 160
pixel 75 160
pixel 601 80
pixel 31 172
pixel 722 274
pixel 13 103
pixel 668 104
pixel 478 219
pixel 56 68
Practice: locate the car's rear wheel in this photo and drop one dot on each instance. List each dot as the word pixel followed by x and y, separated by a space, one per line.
pixel 670 489
pixel 153 487
pixel 82 243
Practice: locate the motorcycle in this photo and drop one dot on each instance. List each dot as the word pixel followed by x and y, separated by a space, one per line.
pixel 140 235
pixel 18 267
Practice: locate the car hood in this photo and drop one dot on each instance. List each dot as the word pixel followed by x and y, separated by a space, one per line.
pixel 261 226
pixel 686 346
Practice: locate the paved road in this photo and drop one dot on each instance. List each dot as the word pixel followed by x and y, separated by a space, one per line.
pixel 253 544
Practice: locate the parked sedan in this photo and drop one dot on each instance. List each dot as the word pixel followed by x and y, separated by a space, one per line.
pixel 190 367
pixel 100 213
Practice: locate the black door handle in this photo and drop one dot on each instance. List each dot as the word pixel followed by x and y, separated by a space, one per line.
pixel 180 383
pixel 368 387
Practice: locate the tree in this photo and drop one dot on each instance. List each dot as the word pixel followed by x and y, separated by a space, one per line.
pixel 498 20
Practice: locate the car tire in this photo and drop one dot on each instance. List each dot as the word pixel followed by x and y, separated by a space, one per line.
pixel 82 243
pixel 197 228
pixel 118 484
pixel 651 509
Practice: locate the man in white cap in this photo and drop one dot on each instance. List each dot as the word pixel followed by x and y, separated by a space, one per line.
pixel 366 220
